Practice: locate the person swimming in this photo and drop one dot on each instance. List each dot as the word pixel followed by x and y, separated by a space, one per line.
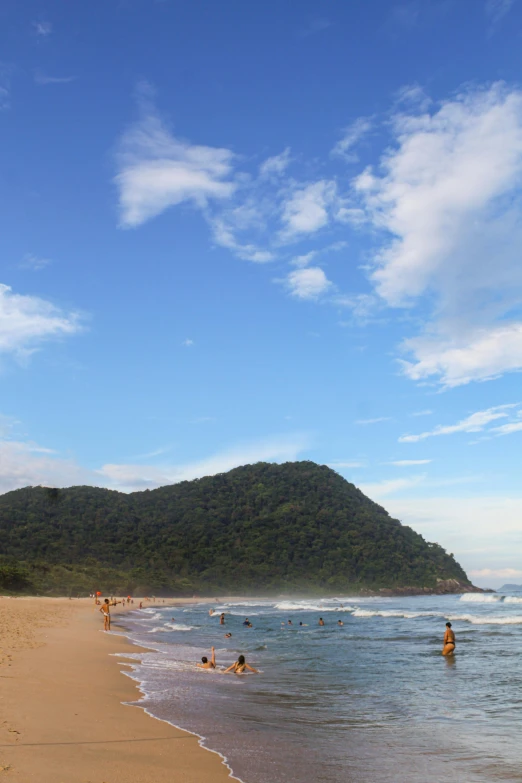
pixel 246 621
pixel 449 641
pixel 321 621
pixel 240 666
pixel 340 622
pixel 205 663
pixel 228 635
pixel 289 622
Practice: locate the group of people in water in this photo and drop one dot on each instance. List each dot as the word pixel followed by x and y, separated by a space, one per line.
pixel 240 666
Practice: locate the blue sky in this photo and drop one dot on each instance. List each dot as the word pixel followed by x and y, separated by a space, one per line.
pixel 240 231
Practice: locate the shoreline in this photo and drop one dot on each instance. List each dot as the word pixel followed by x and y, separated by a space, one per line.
pixel 65 705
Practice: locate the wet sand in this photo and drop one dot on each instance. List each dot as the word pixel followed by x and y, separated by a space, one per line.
pixel 61 714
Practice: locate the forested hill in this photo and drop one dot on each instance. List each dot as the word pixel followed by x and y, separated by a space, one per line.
pixel 264 527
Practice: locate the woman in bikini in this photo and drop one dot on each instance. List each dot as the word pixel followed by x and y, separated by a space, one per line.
pixel 449 641
pixel 240 666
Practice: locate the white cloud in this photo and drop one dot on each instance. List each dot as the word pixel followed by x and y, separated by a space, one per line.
pixel 380 489
pixel 373 421
pixel 481 355
pixel 157 171
pixel 507 429
pixel 188 342
pixel 351 137
pixel 497 573
pixel 308 283
pixel 276 165
pixel 43 28
pixel 26 321
pixel 42 78
pixel 128 478
pixel 30 261
pixel 26 464
pixel 481 531
pixel 224 235
pixel 475 422
pixel 422 413
pixel 406 463
pixel 307 209
pixel 447 199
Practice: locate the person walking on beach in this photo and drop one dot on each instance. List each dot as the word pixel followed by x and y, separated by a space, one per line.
pixel 449 641
pixel 321 621
pixel 205 663
pixel 106 612
pixel 240 666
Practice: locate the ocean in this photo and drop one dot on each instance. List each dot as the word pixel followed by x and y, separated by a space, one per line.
pixel 371 701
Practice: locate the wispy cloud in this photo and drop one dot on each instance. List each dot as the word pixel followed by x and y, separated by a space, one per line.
pixel 42 78
pixel 42 28
pixel 276 165
pixel 30 261
pixel 373 421
pixel 314 26
pixel 128 478
pixel 380 489
pixel 475 422
pixel 188 342
pixel 406 463
pixel 422 413
pixel 348 464
pixel 5 87
pixel 352 135
pixel 496 10
pixel 27 321
pixel 496 573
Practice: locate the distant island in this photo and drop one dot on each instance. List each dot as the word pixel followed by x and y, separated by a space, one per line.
pixel 258 529
pixel 510 589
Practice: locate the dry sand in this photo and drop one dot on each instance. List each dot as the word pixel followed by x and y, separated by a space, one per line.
pixel 61 714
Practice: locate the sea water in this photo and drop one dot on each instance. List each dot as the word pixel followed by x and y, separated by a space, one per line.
pixel 371 701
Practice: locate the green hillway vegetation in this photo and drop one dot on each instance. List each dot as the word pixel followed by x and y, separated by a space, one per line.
pixel 258 529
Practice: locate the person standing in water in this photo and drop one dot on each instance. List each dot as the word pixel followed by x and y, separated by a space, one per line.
pixel 321 621
pixel 449 641
pixel 240 666
pixel 222 618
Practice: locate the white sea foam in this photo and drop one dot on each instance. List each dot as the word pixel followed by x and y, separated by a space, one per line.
pixel 480 598
pixel 393 613
pixel 305 606
pixel 512 599
pixel 487 619
pixel 171 627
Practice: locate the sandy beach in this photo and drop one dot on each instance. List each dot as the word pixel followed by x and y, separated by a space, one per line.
pixel 61 714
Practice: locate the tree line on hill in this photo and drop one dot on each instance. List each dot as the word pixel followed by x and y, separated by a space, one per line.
pixel 260 528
